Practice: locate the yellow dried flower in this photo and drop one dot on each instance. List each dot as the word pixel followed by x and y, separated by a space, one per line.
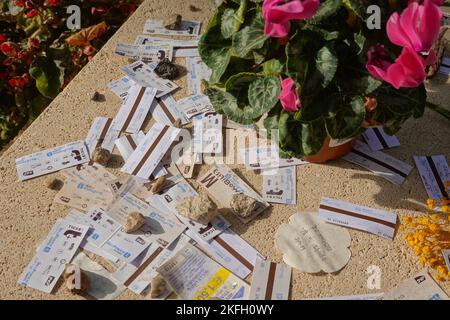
pixel 431 203
pixel 407 219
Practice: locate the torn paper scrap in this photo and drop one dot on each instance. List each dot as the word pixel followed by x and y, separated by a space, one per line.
pixel 270 281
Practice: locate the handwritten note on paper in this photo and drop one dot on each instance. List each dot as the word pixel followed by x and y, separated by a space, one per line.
pixel 310 245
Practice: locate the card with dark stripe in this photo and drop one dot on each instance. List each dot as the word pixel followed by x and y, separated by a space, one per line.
pixel 101 134
pixel 379 163
pixel 377 139
pixel 445 66
pixel 165 110
pixel 134 110
pixel 270 281
pixel 435 174
pixel 378 222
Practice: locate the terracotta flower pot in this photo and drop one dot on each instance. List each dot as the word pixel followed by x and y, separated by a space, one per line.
pixel 328 153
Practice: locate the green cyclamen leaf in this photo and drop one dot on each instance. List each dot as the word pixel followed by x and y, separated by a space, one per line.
pixel 232 20
pixel 250 38
pixel 327 9
pixel 357 6
pixel 263 95
pixel 326 63
pixel 347 120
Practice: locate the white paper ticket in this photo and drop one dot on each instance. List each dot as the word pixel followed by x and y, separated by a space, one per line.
pixel 81 196
pixel 181 48
pixel 280 187
pixel 138 275
pixel 208 133
pixel 266 157
pixel 188 28
pixel 270 281
pixel 194 105
pixel 143 75
pixel 197 71
pixel 165 110
pixel 445 64
pixel 121 86
pixel 101 134
pixel 146 53
pixel 380 163
pixel 102 226
pixel 435 174
pixel 127 143
pixel 194 276
pixel 420 287
pixel 231 251
pixel 94 175
pixel 169 199
pixel 369 296
pixel 44 270
pixel 51 160
pixel 221 183
pixel 378 222
pixel 377 139
pixel 134 110
pixel 148 154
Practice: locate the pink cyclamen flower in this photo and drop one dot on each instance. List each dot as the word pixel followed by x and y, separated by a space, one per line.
pixel 408 70
pixel 278 14
pixel 417 27
pixel 289 97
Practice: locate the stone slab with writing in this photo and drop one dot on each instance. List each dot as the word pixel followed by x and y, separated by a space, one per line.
pixel 311 245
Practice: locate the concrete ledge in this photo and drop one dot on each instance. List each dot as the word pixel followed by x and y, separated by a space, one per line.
pixel 28 212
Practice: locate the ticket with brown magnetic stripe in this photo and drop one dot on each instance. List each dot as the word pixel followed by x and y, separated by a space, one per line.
pixel 101 135
pixel 134 110
pixel 81 196
pixel 435 174
pixel 221 183
pixel 51 160
pixel 165 110
pixel 231 251
pixel 378 162
pixel 148 154
pixel 378 222
pixel 270 281
pixel 377 139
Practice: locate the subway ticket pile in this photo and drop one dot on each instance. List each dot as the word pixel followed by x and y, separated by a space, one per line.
pixel 142 227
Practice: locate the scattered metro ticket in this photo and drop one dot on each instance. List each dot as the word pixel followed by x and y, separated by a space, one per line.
pixel 435 173
pixel 165 110
pixel 101 134
pixel 194 276
pixel 188 28
pixel 51 160
pixel 266 157
pixel 143 75
pixel 369 296
pixel 126 144
pixel 197 71
pixel 138 275
pixel 378 222
pixel 445 64
pixel 44 270
pixel 148 154
pixel 420 287
pixel 377 139
pixel 181 48
pixel 146 53
pixel 270 281
pixel 446 255
pixel 208 137
pixel 81 196
pixel 121 86
pixel 380 163
pixel 194 105
pixel 280 187
pixel 221 183
pixel 134 110
pixel 231 251
pixel 169 199
pixel 94 175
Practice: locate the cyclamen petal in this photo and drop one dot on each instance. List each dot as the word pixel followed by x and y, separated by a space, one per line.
pixel 289 97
